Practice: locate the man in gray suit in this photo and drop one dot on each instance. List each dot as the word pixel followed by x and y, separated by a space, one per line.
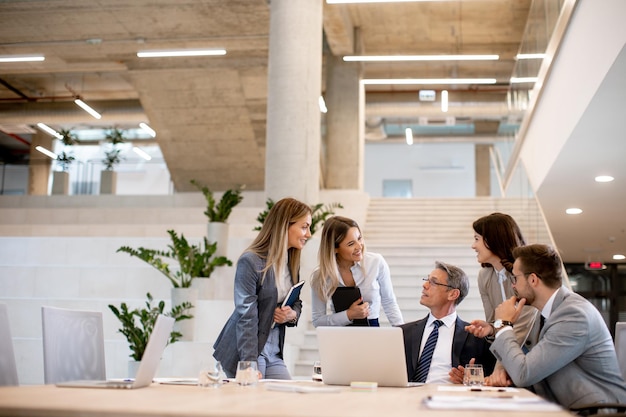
pixel 573 361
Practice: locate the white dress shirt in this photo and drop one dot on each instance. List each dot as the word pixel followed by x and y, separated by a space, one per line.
pixel 442 356
pixel 373 278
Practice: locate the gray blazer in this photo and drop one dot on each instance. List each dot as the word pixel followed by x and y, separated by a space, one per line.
pixel 246 331
pixel 573 363
pixel 491 295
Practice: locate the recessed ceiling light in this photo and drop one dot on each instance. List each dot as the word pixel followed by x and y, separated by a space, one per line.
pixel 573 210
pixel 619 257
pixel 604 178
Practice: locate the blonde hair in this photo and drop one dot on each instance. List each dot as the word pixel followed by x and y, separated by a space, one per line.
pixel 272 241
pixel 325 279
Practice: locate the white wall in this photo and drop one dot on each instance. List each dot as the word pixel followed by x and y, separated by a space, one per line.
pixel 436 170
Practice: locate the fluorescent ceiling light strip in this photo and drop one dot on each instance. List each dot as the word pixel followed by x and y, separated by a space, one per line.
pixel 375 1
pixel 148 129
pixel 180 52
pixel 391 58
pixel 21 58
pixel 322 105
pixel 46 152
pixel 409 136
pixel 530 56
pixel 142 153
pixel 88 109
pixel 427 81
pixel 519 80
pixel 49 130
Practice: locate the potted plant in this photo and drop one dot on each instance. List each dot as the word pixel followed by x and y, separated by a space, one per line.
pixel 194 261
pixel 61 179
pixel 112 157
pixel 217 213
pixel 319 213
pixel 138 324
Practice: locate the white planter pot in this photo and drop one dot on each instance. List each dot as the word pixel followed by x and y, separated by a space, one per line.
pixel 220 286
pixel 186 327
pixel 60 183
pixel 218 232
pixel 108 182
pixel 133 366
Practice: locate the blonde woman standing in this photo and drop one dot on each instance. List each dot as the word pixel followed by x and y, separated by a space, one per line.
pixel 265 272
pixel 343 262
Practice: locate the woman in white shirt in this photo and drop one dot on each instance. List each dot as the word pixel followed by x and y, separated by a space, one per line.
pixel 343 262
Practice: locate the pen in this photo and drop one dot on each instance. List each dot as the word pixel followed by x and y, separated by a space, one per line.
pixel 480 390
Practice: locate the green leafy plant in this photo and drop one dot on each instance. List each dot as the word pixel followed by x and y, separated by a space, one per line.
pixel 194 261
pixel 112 157
pixel 319 213
pixel 115 136
pixel 138 324
pixel 65 160
pixel 219 211
pixel 68 138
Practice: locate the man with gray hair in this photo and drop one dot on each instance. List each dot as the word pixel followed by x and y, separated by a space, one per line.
pixel 438 345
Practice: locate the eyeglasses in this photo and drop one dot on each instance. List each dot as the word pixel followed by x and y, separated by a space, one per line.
pixel 432 281
pixel 514 277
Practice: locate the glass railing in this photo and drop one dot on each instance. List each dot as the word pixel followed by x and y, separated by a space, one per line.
pixel 540 35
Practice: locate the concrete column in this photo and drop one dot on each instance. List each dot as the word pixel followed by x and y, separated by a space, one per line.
pixel 292 155
pixel 483 170
pixel 39 165
pixel 344 122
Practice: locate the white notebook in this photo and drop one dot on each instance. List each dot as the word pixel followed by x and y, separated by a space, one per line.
pixel 147 367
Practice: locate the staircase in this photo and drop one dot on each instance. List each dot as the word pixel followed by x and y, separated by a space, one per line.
pixel 413 233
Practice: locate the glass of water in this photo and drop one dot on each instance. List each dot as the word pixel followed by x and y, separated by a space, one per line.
pixel 211 376
pixel 317 371
pixel 247 373
pixel 474 375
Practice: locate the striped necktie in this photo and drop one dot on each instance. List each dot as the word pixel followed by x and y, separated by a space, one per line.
pixel 427 354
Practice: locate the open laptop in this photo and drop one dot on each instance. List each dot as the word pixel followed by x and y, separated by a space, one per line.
pixel 147 367
pixel 364 354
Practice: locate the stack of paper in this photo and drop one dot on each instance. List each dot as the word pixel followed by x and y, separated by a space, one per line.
pixel 478 402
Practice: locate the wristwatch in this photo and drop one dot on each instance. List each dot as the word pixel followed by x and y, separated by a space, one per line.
pixel 499 324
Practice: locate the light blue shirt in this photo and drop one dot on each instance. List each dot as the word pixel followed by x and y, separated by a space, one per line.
pixel 373 278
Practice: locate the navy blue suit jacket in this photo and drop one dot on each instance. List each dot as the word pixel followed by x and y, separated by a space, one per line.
pixel 465 346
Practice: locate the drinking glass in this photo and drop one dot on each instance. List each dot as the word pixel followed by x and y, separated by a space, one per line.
pixel 247 373
pixel 317 371
pixel 474 375
pixel 211 376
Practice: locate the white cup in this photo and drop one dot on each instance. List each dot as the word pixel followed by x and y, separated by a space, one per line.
pixel 247 373
pixel 474 375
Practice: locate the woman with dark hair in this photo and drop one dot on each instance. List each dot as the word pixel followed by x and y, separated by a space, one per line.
pixel 343 262
pixel 265 272
pixel 495 237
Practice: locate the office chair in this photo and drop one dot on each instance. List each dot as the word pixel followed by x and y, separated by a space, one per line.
pixel 620 345
pixel 73 345
pixel 8 369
